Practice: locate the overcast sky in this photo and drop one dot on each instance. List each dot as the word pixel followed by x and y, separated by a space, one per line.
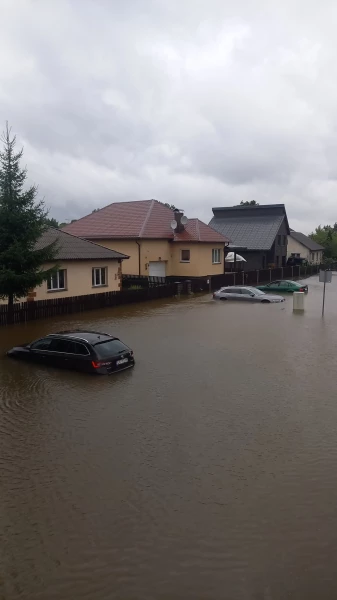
pixel 199 103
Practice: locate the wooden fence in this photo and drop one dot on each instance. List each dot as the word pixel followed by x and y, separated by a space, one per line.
pixel 133 281
pixel 146 289
pixel 42 309
pixel 263 276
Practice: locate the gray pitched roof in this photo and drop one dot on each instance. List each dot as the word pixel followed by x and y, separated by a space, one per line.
pixel 305 241
pixel 70 247
pixel 254 227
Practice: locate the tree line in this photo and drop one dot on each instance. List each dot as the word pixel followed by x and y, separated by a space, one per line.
pixel 326 236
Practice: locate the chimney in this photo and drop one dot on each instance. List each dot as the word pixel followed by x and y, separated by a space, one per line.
pixel 178 215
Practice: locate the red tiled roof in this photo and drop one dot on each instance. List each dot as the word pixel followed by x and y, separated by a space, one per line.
pixel 140 219
pixel 197 231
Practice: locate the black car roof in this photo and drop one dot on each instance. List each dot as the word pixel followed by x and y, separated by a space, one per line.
pixel 92 337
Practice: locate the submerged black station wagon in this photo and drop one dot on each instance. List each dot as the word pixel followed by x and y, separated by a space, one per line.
pixel 88 351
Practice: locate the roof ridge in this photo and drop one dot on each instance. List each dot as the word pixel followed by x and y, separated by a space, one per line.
pixel 85 240
pixel 249 206
pixel 146 218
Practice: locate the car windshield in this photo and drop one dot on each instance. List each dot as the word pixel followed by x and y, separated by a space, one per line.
pixel 110 348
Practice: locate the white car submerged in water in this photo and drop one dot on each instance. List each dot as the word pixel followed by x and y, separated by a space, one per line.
pixel 246 293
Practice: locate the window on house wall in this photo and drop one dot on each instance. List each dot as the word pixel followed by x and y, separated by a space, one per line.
pixel 284 240
pixel 99 276
pixel 216 256
pixel 312 256
pixel 58 281
pixel 185 256
pixel 279 240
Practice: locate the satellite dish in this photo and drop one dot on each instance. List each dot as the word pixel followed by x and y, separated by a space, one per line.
pixel 183 220
pixel 174 224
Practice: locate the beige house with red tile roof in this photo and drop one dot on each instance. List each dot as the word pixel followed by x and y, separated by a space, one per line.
pixel 159 241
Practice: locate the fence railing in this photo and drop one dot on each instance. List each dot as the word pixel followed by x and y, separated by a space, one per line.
pixel 263 276
pixel 229 278
pixel 41 309
pixel 137 281
pixel 151 289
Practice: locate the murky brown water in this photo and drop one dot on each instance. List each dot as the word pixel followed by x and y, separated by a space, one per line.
pixel 207 472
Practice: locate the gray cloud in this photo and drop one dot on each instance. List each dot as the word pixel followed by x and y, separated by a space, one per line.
pixel 194 103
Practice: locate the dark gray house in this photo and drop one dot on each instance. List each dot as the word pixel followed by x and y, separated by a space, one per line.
pixel 262 230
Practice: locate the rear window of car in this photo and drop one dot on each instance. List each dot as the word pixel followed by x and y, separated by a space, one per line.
pixel 110 348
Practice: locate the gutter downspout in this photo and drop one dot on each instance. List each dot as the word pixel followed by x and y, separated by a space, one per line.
pixel 138 244
pixel 225 252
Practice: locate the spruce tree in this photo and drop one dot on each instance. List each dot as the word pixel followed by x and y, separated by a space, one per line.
pixel 22 222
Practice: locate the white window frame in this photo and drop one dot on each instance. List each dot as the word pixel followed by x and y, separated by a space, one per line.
pixel 181 255
pixel 57 288
pixel 216 252
pixel 93 276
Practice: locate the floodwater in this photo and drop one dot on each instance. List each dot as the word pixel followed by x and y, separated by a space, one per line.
pixel 207 472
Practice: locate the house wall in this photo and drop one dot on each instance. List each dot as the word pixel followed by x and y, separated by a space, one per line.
pixel 295 247
pixel 150 250
pixel 154 250
pixel 316 257
pixel 254 260
pixel 79 279
pixel 200 264
pixel 128 247
pixel 278 255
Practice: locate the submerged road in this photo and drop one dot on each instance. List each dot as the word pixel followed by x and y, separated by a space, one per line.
pixel 207 472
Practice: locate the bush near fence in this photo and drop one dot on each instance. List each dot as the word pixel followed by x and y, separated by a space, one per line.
pixel 146 288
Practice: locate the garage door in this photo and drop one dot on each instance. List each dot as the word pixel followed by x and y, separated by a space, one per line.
pixel 157 269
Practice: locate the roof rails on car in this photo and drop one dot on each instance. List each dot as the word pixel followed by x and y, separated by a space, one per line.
pixel 72 331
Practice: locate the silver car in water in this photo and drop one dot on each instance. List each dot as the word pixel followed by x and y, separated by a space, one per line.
pixel 245 293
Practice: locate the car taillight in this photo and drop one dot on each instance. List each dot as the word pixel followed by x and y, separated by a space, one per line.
pixel 98 365
pixel 131 352
pixel 301 290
